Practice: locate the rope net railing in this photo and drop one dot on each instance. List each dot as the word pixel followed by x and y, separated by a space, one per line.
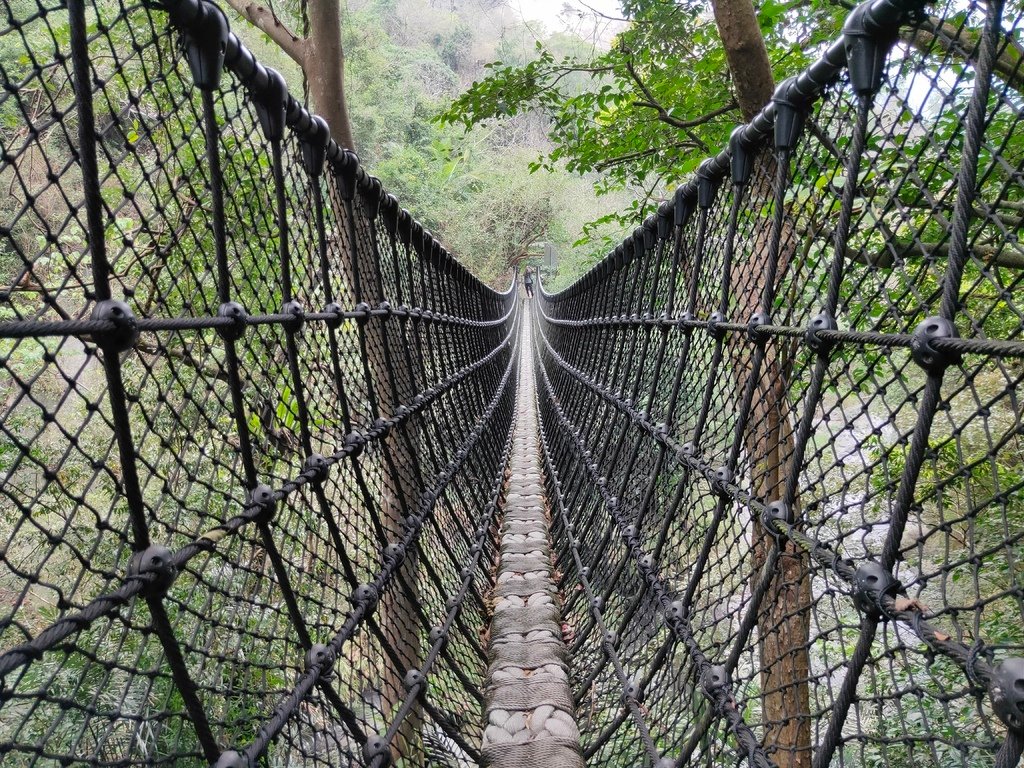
pixel 782 425
pixel 243 393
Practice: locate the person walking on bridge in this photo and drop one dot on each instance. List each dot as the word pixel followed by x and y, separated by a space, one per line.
pixel 528 283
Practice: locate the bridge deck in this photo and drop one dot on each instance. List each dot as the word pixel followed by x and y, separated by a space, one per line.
pixel 530 716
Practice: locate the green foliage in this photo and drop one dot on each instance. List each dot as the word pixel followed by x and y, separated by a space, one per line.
pixel 405 62
pixel 645 112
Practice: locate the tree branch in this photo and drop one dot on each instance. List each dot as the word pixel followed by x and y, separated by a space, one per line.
pixel 990 255
pixel 1005 255
pixel 963 42
pixel 687 126
pixel 684 124
pixel 639 154
pixel 266 21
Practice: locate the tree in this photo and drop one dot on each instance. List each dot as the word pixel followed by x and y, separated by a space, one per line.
pixel 666 94
pixel 319 54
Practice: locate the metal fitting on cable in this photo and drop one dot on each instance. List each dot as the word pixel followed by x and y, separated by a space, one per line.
pixel 404 229
pixel 373 193
pixel 362 313
pixel 438 635
pixel 776 512
pixel 262 497
pixel 156 563
pixel 317 464
pixel 683 206
pixel 635 248
pixel 272 106
pixel 741 156
pixel 686 321
pixel 923 349
pixel 651 231
pixel 367 596
pixel 714 679
pixel 665 221
pixel 413 679
pixel 323 656
pixel 125 332
pixel 677 610
pixel 707 184
pixel 345 171
pixel 721 480
pixel 1007 693
pixel 389 214
pixel 231 759
pixel 377 749
pixel 823 321
pixel 314 146
pixel 753 332
pixel 633 690
pixel 713 327
pixel 354 443
pixel 870 583
pixel 334 308
pixel 791 109
pixel 618 256
pixel 238 316
pixel 298 316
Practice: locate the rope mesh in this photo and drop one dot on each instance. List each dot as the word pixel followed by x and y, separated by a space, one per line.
pixel 243 391
pixel 256 422
pixel 782 426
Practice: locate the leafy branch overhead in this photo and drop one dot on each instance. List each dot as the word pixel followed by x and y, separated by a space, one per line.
pixel 648 109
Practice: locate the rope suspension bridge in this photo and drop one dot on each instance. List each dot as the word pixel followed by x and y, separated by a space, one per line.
pixel 282 483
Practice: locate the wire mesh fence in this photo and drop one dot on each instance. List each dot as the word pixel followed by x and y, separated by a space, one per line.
pixel 242 392
pixel 783 429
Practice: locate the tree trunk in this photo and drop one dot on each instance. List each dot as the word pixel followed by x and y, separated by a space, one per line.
pixel 783 620
pixel 784 617
pixel 324 65
pixel 320 56
pixel 746 53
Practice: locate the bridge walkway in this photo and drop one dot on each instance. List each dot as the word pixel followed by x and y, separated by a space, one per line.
pixel 529 710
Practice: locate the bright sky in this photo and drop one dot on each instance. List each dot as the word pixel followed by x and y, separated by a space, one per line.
pixel 579 16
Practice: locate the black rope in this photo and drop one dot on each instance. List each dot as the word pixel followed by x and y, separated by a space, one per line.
pixel 846 380
pixel 258 421
pixel 250 358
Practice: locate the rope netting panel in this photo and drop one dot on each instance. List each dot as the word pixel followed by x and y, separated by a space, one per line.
pixel 243 393
pixel 782 425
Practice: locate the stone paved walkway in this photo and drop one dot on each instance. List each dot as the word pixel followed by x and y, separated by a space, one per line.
pixel 530 717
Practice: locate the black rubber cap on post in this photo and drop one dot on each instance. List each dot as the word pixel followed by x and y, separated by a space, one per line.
pixel 205 43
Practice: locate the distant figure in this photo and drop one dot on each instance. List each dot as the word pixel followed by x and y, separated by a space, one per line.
pixel 528 283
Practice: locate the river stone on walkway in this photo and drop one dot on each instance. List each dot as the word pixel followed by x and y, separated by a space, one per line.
pixel 530 716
